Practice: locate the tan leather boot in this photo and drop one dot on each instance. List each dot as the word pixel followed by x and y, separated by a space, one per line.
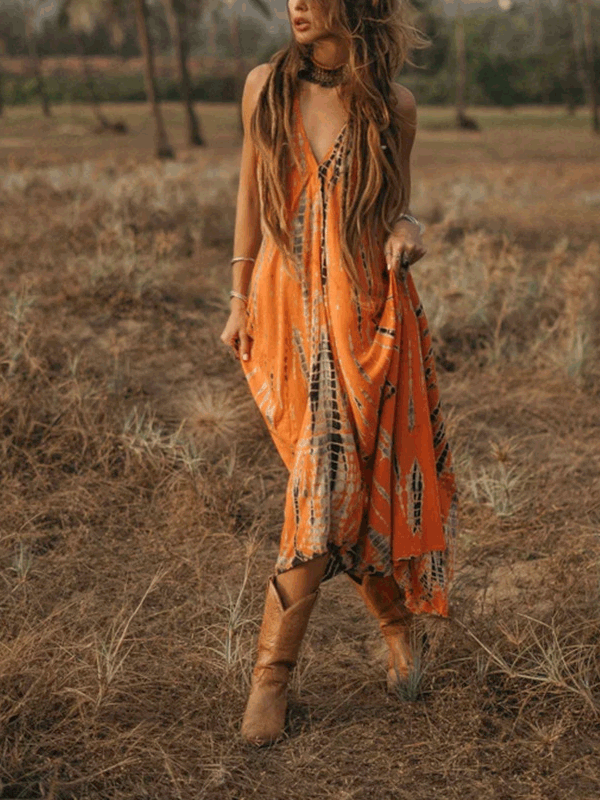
pixel 385 600
pixel 279 642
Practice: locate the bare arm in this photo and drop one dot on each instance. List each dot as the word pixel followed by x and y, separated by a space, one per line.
pixel 408 109
pixel 405 240
pixel 247 234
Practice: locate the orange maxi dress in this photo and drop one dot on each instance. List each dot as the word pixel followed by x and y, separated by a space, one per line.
pixel 347 387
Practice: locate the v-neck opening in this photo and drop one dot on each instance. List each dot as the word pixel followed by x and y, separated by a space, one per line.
pixel 318 164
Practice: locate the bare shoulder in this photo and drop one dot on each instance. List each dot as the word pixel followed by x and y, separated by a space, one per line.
pixel 259 73
pixel 255 80
pixel 406 103
pixel 257 77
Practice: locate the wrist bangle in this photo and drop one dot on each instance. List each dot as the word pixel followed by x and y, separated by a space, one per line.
pixel 239 295
pixel 414 220
pixel 241 258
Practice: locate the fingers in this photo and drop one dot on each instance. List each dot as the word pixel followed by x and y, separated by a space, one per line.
pixel 403 256
pixel 244 342
pixel 402 249
pixel 401 259
pixel 239 343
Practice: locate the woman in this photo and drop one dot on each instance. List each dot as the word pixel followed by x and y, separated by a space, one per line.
pixel 332 338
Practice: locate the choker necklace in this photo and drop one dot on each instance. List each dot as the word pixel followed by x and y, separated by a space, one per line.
pixel 314 72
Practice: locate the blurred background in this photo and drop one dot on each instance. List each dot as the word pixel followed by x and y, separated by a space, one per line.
pixel 141 497
pixel 496 52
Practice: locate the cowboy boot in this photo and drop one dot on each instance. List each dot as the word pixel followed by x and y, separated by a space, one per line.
pixel 279 641
pixel 385 600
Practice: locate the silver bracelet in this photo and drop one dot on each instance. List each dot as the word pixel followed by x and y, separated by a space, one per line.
pixel 241 258
pixel 414 220
pixel 239 295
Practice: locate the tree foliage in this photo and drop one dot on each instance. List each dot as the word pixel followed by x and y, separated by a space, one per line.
pixel 521 55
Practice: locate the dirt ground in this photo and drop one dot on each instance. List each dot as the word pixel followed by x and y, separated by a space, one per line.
pixel 141 497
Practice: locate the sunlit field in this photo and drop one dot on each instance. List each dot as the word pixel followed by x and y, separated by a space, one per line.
pixel 141 497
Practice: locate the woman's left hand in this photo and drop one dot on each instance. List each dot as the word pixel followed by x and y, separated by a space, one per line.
pixel 404 246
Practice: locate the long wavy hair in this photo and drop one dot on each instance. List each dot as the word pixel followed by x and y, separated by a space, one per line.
pixel 380 38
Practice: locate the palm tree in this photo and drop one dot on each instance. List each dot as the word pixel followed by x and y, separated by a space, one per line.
pixel 30 9
pixel 240 72
pixel 462 120
pixel 583 46
pixel 177 15
pixel 588 41
pixel 2 51
pixel 538 26
pixel 82 16
pixel 163 147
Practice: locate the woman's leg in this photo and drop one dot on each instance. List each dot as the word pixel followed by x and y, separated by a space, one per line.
pixel 385 599
pixel 297 582
pixel 290 599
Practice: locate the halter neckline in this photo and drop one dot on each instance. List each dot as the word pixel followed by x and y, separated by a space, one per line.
pixel 334 144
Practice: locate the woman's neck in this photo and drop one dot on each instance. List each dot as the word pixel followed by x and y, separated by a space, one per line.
pixel 329 53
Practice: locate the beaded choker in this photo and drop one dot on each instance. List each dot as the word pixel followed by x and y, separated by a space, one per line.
pixel 314 72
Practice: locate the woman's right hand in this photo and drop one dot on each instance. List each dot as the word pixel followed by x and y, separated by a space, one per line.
pixel 234 333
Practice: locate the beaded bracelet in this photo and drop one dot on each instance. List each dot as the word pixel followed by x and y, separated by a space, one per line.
pixel 241 258
pixel 239 295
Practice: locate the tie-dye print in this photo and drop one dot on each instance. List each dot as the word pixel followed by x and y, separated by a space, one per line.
pixel 347 386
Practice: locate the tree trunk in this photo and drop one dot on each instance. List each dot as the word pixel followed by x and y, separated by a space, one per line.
pixel 538 26
pixel 585 63
pixel 581 74
pixel 588 41
pixel 2 52
pixel 176 14
pixel 163 148
pixel 461 62
pixel 212 34
pixel 462 120
pixel 239 66
pixel 103 123
pixel 571 83
pixel 34 60
pixel 94 100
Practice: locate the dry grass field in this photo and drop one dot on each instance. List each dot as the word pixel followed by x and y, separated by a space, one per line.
pixel 141 497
